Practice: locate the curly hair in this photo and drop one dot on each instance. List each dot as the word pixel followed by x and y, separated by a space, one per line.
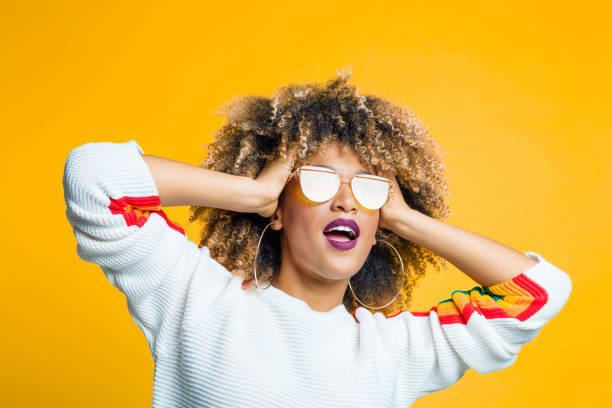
pixel 387 139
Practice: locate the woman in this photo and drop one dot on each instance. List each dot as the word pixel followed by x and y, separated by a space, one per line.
pixel 321 208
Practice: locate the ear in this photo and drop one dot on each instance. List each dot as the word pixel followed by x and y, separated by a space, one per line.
pixel 277 219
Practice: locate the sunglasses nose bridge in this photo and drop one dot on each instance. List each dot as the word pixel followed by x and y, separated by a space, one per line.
pixel 346 180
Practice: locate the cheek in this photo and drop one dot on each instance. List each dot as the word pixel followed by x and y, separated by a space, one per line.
pixel 299 211
pixel 369 226
pixel 369 218
pixel 298 198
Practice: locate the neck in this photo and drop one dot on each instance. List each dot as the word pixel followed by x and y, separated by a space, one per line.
pixel 319 295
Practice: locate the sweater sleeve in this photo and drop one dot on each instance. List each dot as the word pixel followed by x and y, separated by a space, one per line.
pixel 113 206
pixel 481 328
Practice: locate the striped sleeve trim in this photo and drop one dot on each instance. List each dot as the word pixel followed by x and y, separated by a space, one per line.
pixel 136 210
pixel 519 298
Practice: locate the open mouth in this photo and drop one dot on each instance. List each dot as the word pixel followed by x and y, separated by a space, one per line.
pixel 342 233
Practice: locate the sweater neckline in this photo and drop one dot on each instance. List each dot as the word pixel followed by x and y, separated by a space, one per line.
pixel 286 301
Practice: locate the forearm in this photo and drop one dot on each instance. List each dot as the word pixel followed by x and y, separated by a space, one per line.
pixel 484 260
pixel 182 184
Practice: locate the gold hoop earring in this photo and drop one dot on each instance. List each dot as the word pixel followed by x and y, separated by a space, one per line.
pixel 398 292
pixel 350 286
pixel 257 251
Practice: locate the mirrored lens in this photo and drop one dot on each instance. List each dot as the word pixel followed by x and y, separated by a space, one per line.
pixel 370 192
pixel 318 185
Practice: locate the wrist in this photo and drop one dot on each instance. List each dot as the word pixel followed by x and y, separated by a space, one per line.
pixel 261 195
pixel 404 222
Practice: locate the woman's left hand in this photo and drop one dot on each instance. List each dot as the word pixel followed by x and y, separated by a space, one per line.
pixel 394 208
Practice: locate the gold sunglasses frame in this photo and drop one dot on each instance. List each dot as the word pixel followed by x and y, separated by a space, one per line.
pixel 348 180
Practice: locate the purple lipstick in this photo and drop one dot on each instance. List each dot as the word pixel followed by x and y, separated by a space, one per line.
pixel 342 233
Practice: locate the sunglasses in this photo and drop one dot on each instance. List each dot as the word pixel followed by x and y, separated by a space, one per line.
pixel 320 184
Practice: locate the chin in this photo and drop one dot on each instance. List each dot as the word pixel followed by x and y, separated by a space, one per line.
pixel 343 270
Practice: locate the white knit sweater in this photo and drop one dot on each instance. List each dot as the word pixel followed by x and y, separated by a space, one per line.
pixel 216 345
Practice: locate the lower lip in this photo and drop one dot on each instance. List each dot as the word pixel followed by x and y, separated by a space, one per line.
pixel 343 245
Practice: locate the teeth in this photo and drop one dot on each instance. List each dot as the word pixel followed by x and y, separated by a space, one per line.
pixel 342 228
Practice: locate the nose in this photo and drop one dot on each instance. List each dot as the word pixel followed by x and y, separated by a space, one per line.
pixel 344 200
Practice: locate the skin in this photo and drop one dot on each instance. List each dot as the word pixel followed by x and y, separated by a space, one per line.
pixel 321 280
pixel 311 269
pixel 315 272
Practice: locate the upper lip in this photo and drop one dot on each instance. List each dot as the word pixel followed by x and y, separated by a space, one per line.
pixel 346 222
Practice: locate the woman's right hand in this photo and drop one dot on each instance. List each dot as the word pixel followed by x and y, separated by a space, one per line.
pixel 271 181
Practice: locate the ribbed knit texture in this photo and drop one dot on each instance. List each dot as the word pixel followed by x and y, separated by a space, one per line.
pixel 216 345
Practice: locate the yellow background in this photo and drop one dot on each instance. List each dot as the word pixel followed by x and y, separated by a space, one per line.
pixel 518 95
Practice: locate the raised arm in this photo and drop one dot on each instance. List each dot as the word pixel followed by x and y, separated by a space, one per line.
pixel 114 195
pixel 181 184
pixel 481 328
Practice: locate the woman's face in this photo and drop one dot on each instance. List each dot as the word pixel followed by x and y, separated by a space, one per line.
pixel 305 245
